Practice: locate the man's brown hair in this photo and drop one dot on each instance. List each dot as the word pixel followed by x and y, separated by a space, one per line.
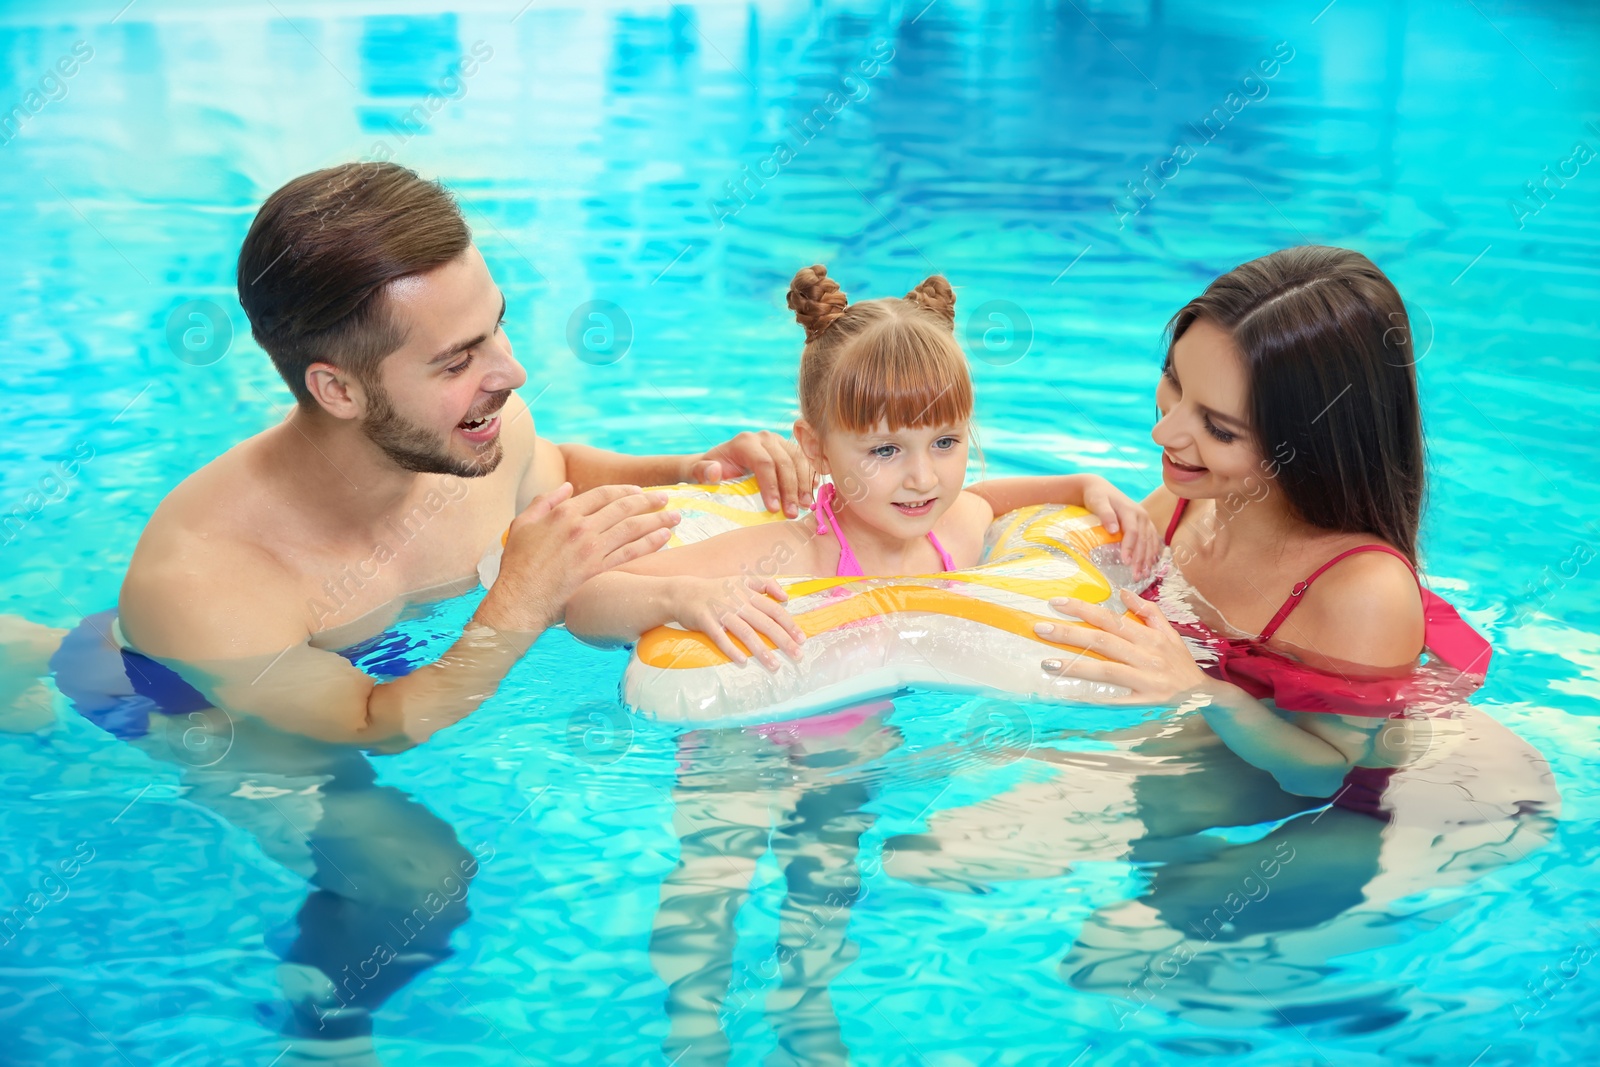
pixel 315 267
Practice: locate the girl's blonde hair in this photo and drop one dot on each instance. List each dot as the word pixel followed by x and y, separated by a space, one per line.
pixel 893 360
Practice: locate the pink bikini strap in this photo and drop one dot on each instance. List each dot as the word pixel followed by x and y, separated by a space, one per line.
pixel 827 522
pixel 1447 635
pixel 849 566
pixel 1177 517
pixel 1300 587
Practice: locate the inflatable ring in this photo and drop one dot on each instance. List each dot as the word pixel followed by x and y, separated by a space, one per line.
pixel 966 631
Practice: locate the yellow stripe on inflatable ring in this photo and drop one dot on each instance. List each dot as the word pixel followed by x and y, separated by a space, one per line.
pixel 1087 584
pixel 746 486
pixel 1078 539
pixel 703 500
pixel 743 516
pixel 668 647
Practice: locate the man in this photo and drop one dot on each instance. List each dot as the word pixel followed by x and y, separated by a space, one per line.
pixel 265 575
pixel 362 284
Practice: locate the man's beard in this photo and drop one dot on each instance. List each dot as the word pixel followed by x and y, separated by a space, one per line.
pixel 415 449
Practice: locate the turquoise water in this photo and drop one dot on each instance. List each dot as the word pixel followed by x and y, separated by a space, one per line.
pixel 605 153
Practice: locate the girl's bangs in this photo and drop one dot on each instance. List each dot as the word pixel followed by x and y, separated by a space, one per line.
pixel 908 386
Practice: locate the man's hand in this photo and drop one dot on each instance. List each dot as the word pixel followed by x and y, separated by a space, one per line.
pixel 781 469
pixel 561 541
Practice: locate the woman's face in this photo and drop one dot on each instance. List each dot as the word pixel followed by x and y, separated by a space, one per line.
pixel 1207 447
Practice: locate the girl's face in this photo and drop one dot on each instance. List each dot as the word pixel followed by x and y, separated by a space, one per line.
pixel 1207 447
pixel 899 481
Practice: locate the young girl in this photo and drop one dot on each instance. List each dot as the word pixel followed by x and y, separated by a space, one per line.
pixel 886 405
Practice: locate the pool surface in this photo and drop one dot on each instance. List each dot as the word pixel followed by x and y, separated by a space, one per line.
pixel 968 881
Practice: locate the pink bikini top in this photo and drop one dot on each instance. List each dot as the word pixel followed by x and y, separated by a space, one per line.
pixel 1294 686
pixel 849 566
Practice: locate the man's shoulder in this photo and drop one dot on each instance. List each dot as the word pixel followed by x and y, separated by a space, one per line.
pixel 201 554
pixel 210 512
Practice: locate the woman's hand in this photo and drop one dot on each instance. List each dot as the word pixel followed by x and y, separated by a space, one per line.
pixel 1142 653
pixel 746 609
pixel 1141 541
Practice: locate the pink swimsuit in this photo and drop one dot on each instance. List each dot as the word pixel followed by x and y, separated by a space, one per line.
pixel 1266 673
pixel 839 722
pixel 849 566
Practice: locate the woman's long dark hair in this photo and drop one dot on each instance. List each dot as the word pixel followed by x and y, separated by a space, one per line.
pixel 1333 385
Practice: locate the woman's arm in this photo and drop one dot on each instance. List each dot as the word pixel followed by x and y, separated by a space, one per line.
pixel 1306 763
pixel 1152 662
pixel 1141 541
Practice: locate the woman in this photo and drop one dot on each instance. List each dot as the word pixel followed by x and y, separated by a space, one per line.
pixel 1292 471
pixel 1292 488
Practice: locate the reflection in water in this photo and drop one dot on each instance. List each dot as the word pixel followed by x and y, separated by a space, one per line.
pixel 796 788
pixel 1249 891
pixel 388 887
pixel 388 878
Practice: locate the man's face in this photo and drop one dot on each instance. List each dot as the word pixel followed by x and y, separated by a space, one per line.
pixel 432 405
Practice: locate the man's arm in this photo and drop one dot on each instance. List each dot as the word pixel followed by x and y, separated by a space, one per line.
pixel 782 471
pixel 244 645
pixel 588 467
pixel 229 620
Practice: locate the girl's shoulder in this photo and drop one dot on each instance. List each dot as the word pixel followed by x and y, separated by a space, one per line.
pixel 961 529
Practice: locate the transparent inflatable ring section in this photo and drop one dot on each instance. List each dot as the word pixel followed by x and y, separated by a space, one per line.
pixel 967 631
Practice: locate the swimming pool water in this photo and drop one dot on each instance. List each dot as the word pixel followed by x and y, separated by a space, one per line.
pixel 668 168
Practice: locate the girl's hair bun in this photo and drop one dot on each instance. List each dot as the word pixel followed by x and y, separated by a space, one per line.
pixel 935 295
pixel 817 300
